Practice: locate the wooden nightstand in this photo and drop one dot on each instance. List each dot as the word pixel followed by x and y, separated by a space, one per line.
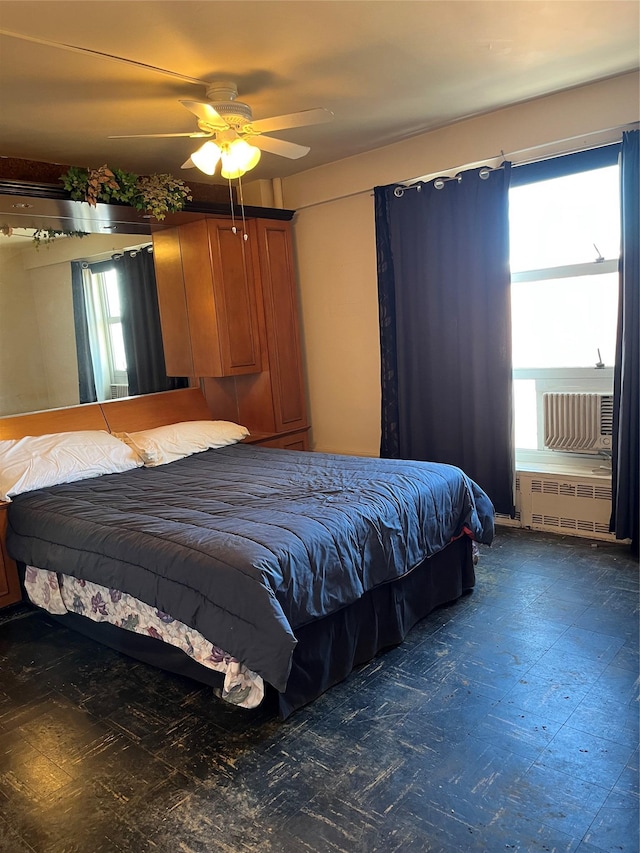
pixel 295 440
pixel 10 591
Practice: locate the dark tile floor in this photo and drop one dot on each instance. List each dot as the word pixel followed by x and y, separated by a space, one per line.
pixel 505 722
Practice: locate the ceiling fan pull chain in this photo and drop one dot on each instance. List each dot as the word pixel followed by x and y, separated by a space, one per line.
pixel 245 236
pixel 233 219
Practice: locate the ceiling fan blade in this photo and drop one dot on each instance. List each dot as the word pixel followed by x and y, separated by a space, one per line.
pixel 188 164
pixel 74 49
pixel 198 134
pixel 278 146
pixel 301 119
pixel 205 112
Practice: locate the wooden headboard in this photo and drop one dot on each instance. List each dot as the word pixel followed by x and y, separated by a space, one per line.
pixel 89 416
pixel 153 410
pixel 128 415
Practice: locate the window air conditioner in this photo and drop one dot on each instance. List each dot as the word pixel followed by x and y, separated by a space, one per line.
pixel 580 423
pixel 119 390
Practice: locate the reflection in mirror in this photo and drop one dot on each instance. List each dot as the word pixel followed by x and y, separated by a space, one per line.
pixel 38 360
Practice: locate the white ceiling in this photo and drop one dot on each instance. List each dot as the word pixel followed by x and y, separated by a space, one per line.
pixel 387 70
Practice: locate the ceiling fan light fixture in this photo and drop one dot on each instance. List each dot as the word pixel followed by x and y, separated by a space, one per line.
pixel 206 157
pixel 229 169
pixel 246 155
pixel 238 157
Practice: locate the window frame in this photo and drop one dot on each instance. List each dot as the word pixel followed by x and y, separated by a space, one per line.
pixel 590 379
pixel 100 328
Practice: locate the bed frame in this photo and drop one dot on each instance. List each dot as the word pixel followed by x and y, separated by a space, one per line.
pixel 328 649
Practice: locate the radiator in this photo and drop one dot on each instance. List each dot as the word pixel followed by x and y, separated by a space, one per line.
pixel 567 505
pixel 573 505
pixel 580 423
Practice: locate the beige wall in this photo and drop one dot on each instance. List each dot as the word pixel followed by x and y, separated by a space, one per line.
pixel 335 238
pixel 53 322
pixel 336 259
pixel 22 385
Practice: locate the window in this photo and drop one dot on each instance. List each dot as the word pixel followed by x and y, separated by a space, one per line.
pixel 565 238
pixel 102 300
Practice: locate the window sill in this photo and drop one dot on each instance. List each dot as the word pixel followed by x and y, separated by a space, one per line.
pixel 547 461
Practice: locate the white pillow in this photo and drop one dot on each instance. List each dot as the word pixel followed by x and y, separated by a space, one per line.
pixel 175 441
pixel 36 461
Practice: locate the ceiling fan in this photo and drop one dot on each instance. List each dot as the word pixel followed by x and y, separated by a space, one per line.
pixel 234 137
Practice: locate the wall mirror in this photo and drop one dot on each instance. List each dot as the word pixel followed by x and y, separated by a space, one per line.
pixel 38 361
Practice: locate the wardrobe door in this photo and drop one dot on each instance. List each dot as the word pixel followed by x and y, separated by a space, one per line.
pixel 282 324
pixel 207 283
pixel 172 302
pixel 235 279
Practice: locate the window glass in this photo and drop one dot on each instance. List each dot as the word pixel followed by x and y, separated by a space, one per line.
pixel 526 421
pixel 569 220
pixel 117 347
pixel 564 322
pixel 112 294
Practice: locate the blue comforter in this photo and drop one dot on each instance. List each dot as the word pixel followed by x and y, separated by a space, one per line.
pixel 246 543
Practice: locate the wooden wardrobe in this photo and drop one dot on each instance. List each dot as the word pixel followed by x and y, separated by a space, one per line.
pixel 229 315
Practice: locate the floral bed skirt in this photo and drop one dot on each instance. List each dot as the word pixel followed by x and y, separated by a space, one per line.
pixel 60 594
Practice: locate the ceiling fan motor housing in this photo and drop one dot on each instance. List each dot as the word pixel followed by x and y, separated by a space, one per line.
pixel 222 91
pixel 222 96
pixel 235 113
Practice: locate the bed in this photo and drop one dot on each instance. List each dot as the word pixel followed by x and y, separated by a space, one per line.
pixel 279 570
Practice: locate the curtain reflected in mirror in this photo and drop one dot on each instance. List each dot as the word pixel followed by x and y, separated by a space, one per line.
pixel 117 325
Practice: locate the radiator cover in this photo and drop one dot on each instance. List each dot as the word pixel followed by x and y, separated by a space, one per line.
pixel 573 505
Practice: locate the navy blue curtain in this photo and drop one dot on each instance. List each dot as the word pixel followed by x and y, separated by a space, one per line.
pixel 445 326
pixel 626 403
pixel 86 382
pixel 146 370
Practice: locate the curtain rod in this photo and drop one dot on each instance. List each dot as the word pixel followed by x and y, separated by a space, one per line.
pixel 133 251
pixel 511 156
pixel 439 182
pixel 399 190
pixel 115 256
pixel 544 151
